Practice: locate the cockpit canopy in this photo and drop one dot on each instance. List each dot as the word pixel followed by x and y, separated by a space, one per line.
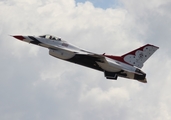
pixel 50 37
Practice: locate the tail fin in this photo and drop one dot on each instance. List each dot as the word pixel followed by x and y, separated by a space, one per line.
pixel 139 56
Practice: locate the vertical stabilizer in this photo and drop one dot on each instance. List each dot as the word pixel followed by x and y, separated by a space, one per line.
pixel 139 56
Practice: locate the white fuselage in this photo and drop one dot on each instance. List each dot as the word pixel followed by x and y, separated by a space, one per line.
pixel 63 50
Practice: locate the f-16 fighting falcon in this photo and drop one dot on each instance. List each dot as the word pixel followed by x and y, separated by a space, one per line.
pixel 127 65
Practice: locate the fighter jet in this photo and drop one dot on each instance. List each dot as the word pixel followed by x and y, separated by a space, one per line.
pixel 126 66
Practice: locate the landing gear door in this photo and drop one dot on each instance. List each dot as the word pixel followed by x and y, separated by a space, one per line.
pixel 110 75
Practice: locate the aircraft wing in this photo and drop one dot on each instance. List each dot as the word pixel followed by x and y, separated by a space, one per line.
pixel 95 57
pixel 77 51
pixel 122 66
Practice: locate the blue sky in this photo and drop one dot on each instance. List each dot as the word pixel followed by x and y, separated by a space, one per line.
pixel 102 3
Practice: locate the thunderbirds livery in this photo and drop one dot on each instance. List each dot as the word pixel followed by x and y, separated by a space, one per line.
pixel 127 65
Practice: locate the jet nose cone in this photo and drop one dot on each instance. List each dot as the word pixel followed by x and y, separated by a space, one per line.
pixel 19 37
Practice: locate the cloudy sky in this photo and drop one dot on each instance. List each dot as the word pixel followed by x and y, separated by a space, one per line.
pixel 36 86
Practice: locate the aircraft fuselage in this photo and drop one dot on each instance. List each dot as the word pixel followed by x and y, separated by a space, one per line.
pixel 112 66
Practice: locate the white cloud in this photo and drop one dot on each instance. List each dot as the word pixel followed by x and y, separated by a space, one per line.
pixel 99 98
pixel 34 85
